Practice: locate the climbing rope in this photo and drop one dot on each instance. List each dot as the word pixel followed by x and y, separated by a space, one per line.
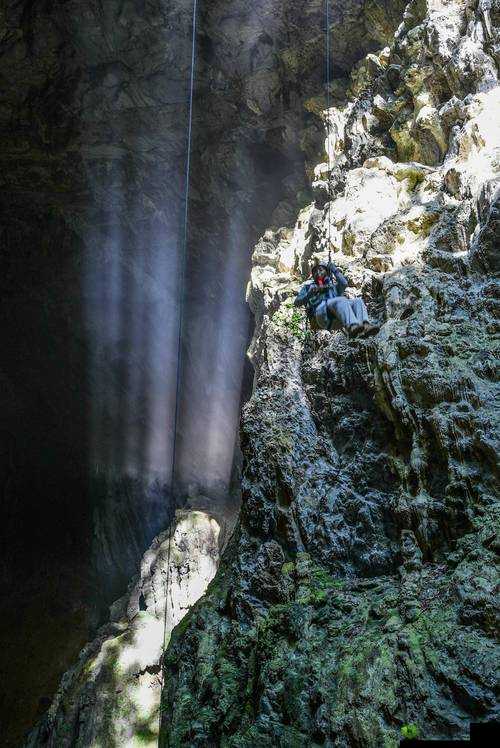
pixel 328 142
pixel 328 104
pixel 184 254
pixel 182 274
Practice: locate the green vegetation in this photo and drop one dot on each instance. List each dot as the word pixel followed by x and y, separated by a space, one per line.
pixel 292 319
pixel 410 731
pixel 322 583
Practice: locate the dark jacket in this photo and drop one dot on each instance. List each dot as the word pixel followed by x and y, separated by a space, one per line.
pixel 311 295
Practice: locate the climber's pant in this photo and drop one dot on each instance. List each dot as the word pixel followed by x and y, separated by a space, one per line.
pixel 341 312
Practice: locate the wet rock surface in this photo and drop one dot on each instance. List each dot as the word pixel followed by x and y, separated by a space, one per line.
pixel 358 593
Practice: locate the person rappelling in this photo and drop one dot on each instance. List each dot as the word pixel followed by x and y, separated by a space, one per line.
pixel 323 294
pixel 326 306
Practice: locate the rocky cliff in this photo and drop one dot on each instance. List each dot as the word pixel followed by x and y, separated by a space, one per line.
pixel 358 594
pixel 93 120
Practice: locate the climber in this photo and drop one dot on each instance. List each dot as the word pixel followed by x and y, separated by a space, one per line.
pixel 328 308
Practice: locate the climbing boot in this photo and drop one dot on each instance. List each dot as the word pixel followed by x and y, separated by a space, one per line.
pixel 368 329
pixel 354 330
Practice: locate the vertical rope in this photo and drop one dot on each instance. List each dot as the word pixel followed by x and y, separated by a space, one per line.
pixel 181 275
pixel 328 104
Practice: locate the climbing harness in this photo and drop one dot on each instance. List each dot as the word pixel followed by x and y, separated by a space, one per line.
pixel 182 274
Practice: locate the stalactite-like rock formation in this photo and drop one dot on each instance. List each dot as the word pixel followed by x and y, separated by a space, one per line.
pixel 357 595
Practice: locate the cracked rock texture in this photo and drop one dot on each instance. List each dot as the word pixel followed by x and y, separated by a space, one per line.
pixel 93 120
pixel 359 592
pixel 111 697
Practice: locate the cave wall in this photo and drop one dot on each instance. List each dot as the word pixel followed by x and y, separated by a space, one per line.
pixel 357 601
pixel 111 695
pixel 93 122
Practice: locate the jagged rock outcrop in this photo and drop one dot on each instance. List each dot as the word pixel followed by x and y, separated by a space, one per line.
pixel 111 697
pixel 358 594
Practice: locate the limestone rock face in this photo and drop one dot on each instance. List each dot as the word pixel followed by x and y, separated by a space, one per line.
pixel 93 118
pixel 93 126
pixel 112 695
pixel 358 594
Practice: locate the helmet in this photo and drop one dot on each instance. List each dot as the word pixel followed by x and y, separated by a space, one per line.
pixel 319 265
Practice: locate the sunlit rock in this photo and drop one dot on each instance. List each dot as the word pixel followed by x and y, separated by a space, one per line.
pixel 358 595
pixel 112 695
pixel 94 121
